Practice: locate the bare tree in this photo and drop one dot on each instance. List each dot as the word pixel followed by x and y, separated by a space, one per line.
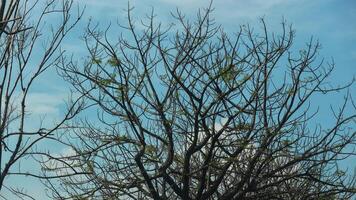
pixel 28 47
pixel 197 113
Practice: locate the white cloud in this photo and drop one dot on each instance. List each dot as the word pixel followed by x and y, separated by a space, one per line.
pixel 62 168
pixel 44 103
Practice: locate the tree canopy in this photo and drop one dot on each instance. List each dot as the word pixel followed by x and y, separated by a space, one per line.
pixel 28 48
pixel 193 112
pixel 180 111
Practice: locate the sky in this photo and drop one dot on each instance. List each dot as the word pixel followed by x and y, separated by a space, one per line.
pixel 332 22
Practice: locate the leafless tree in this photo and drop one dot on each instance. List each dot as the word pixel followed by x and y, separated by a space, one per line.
pixel 29 45
pixel 192 112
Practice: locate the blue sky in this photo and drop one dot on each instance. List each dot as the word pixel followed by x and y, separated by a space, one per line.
pixel 330 21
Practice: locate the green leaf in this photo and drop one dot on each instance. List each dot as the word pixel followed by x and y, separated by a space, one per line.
pixel 78 197
pixel 178 158
pixel 104 81
pixel 340 173
pixel 122 88
pixel 120 139
pixel 228 58
pixel 228 73
pixel 113 61
pixel 286 142
pixel 169 122
pixel 243 127
pixel 291 91
pixel 113 75
pixel 150 149
pixel 245 78
pixel 163 77
pixel 90 166
pixel 96 60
